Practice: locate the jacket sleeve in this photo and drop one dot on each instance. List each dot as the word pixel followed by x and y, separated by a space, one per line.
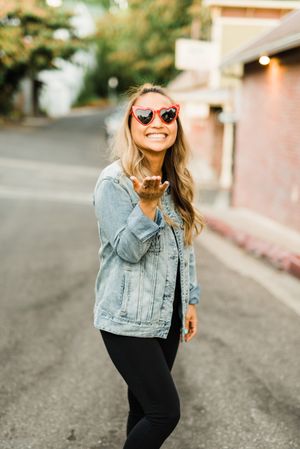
pixel 194 286
pixel 125 226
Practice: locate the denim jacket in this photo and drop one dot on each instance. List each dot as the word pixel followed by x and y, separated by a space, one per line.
pixel 135 284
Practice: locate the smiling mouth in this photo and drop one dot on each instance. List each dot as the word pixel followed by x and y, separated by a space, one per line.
pixel 157 136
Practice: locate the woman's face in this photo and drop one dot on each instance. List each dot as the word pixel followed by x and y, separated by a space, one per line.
pixel 157 136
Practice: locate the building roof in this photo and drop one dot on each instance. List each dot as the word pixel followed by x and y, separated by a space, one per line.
pixel 275 4
pixel 283 37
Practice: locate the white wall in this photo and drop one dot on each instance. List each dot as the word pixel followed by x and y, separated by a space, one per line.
pixel 61 87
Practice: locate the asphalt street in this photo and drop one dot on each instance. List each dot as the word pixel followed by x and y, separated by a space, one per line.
pixel 238 379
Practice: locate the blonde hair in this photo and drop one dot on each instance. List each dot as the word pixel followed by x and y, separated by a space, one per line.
pixel 135 163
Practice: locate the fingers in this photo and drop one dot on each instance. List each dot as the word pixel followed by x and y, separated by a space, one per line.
pixel 151 183
pixel 191 328
pixel 164 186
pixel 135 181
pixel 191 333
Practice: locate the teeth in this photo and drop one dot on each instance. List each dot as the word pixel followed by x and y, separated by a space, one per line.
pixel 157 136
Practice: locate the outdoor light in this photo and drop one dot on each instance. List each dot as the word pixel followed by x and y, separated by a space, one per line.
pixel 264 60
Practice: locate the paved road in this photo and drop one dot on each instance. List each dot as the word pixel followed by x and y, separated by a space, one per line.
pixel 239 379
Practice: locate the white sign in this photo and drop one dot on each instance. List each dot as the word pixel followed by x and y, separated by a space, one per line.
pixel 191 54
pixel 197 110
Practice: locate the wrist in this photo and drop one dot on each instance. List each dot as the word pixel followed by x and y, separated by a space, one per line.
pixel 149 204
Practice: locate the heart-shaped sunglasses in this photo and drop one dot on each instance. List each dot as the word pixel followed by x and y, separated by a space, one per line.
pixel 146 115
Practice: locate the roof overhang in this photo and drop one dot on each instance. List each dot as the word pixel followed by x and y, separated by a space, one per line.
pixel 270 49
pixel 266 4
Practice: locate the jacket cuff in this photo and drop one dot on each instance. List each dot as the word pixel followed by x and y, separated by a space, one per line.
pixel 195 295
pixel 142 226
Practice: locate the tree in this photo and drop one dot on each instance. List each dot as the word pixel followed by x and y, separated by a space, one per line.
pixel 31 38
pixel 137 44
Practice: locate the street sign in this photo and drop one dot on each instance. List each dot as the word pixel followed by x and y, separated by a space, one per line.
pixel 191 54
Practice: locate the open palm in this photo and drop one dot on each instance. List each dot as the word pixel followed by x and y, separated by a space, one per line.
pixel 150 188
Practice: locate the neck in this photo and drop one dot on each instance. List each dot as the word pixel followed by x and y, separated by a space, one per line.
pixel 155 162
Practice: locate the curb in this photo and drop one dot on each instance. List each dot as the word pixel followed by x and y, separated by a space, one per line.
pixel 280 258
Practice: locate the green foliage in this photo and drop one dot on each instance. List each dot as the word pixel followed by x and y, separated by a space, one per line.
pixel 28 43
pixel 106 4
pixel 137 44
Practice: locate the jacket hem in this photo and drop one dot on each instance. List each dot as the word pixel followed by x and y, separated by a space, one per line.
pixel 132 329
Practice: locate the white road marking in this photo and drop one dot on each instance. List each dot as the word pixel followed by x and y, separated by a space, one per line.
pixel 40 165
pixel 281 285
pixel 57 171
pixel 45 195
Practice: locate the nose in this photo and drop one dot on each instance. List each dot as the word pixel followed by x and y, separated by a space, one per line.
pixel 156 121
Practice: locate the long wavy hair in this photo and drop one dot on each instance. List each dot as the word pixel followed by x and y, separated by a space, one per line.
pixel 174 167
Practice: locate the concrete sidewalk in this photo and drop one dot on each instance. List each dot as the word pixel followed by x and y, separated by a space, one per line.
pixel 260 236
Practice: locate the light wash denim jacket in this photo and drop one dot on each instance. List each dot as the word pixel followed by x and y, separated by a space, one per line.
pixel 136 281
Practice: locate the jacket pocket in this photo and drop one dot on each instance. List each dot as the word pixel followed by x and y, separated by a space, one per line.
pixel 131 292
pixel 125 291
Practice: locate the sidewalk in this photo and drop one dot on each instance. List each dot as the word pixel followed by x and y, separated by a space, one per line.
pixel 260 236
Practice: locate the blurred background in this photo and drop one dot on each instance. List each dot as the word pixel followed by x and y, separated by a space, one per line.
pixel 234 67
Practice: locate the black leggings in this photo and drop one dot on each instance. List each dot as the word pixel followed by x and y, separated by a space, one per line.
pixel 145 364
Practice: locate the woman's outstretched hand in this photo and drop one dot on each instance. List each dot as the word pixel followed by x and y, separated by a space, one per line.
pixel 150 189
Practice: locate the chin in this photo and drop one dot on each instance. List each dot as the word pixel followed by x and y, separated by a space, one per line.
pixel 156 149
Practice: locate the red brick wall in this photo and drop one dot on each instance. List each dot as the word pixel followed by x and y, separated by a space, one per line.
pixel 267 161
pixel 206 140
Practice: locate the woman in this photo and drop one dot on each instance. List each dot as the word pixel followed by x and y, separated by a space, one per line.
pixel 146 288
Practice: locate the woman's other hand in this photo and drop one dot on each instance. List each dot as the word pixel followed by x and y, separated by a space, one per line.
pixel 150 189
pixel 191 322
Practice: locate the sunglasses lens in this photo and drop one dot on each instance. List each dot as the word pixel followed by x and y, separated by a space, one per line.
pixel 168 115
pixel 144 115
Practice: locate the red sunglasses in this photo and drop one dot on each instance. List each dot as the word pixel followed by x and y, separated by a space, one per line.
pixel 146 115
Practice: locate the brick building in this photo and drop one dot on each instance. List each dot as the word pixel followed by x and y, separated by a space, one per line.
pixel 208 94
pixel 267 148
